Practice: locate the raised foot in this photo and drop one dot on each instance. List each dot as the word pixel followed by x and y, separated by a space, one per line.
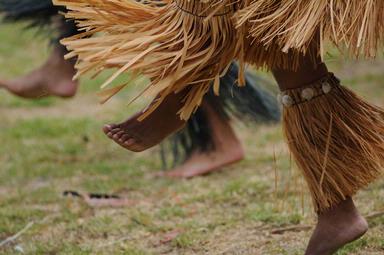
pixel 337 228
pixel 137 136
pixel 122 137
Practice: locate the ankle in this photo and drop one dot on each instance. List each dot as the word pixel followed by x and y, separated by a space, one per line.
pixel 308 72
pixel 56 58
pixel 345 211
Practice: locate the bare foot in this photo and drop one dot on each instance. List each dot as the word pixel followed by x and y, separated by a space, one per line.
pixel 337 227
pixel 54 78
pixel 226 149
pixel 137 136
pixel 201 163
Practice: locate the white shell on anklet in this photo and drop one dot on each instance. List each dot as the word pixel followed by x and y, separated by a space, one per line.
pixel 287 101
pixel 307 94
pixel 326 87
pixel 279 98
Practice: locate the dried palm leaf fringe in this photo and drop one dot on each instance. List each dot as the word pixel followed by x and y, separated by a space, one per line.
pixel 337 140
pixel 178 45
pixel 292 24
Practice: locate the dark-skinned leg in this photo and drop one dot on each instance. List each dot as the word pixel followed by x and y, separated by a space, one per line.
pixel 226 148
pixel 342 223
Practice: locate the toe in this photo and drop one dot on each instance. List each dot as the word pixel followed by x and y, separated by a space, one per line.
pixel 124 138
pixel 107 128
pixel 115 130
pixel 129 142
pixel 117 135
pixel 113 126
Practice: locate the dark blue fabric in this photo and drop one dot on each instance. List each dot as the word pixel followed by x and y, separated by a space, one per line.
pixel 39 14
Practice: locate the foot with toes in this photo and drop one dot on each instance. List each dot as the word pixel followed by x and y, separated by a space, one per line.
pixel 138 135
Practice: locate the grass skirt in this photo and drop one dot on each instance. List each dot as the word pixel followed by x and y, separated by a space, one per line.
pixel 183 44
pixel 292 24
pixel 336 139
pixel 178 45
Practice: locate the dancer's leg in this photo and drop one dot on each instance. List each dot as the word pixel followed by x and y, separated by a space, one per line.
pixel 341 223
pixel 226 147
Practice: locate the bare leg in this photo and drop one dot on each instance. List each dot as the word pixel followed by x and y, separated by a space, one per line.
pixel 54 78
pixel 226 149
pixel 138 136
pixel 342 223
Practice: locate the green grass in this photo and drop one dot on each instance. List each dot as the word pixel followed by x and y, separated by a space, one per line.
pixel 52 145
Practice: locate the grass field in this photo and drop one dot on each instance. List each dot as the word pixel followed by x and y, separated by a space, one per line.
pixel 52 145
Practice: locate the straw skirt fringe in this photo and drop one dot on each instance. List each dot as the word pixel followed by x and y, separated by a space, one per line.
pixel 184 44
pixel 337 140
pixel 163 41
pixel 292 24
